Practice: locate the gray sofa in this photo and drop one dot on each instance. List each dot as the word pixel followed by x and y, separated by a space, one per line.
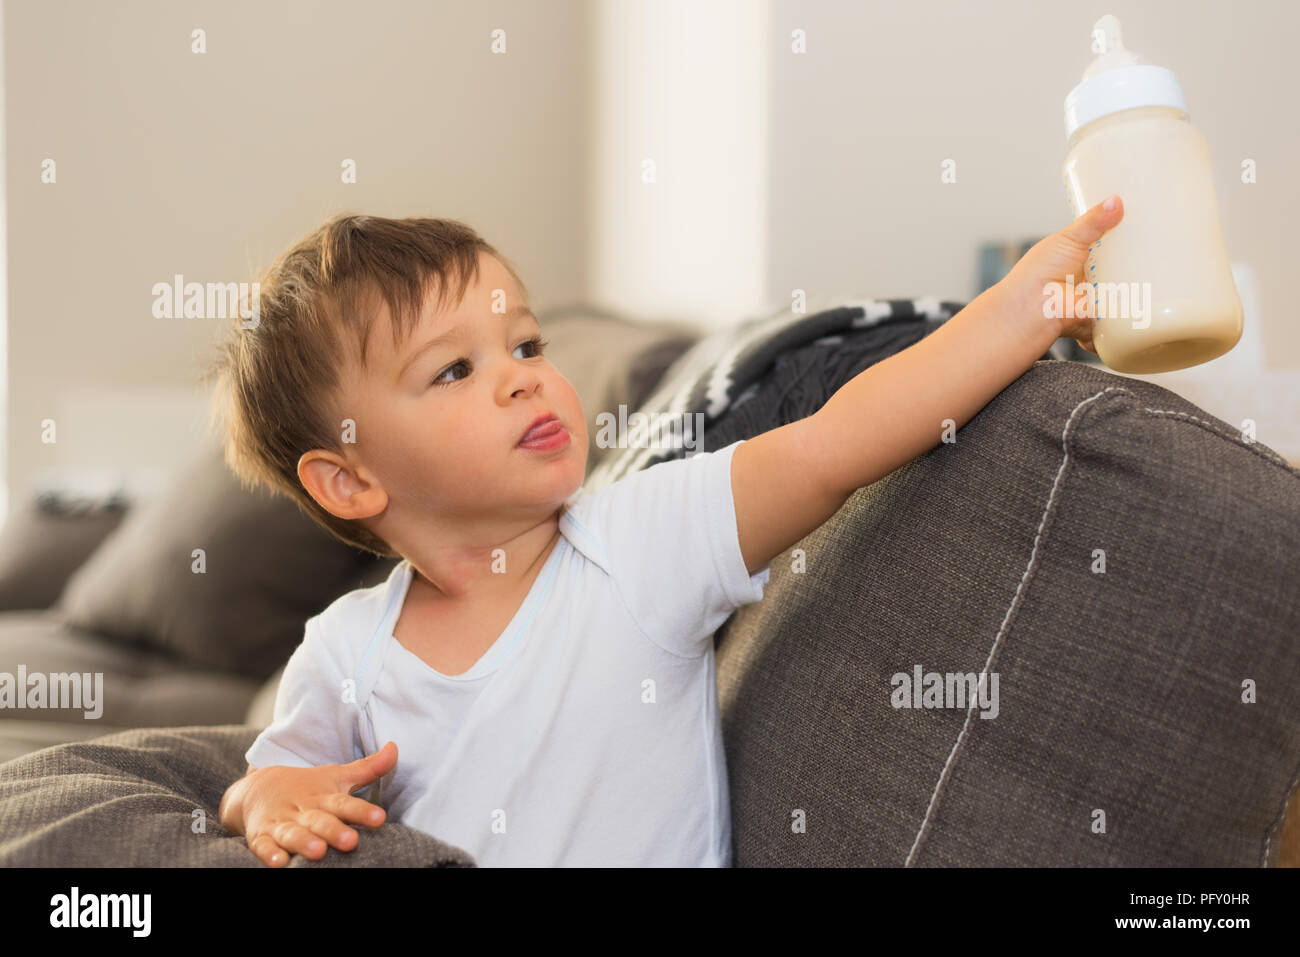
pixel 1122 562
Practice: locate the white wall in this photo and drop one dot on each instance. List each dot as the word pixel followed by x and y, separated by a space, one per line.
pixel 679 119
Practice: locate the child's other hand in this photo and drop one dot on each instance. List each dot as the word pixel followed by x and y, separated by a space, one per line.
pixel 1051 259
pixel 291 810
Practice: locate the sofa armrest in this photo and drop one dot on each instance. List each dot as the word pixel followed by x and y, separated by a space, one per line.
pixel 1119 561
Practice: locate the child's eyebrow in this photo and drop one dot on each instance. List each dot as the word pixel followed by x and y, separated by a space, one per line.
pixel 454 334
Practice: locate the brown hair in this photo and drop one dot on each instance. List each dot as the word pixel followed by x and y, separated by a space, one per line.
pixel 277 379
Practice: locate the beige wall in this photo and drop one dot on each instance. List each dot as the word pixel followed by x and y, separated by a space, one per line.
pixel 209 165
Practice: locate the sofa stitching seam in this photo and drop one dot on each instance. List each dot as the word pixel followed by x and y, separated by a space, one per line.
pixel 1271 458
pixel 1008 618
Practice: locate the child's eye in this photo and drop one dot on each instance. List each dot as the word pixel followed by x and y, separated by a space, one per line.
pixel 439 379
pixel 537 342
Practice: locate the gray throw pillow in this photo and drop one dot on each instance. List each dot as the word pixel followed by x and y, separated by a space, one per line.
pixel 266 569
pixel 48 539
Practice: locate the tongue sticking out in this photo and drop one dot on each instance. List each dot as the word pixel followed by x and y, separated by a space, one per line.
pixel 542 431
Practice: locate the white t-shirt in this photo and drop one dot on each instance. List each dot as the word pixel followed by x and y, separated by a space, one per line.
pixel 588 734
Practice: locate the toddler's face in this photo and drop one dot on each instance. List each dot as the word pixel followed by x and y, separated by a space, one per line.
pixel 440 425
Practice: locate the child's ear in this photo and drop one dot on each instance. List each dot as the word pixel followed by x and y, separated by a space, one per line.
pixel 337 487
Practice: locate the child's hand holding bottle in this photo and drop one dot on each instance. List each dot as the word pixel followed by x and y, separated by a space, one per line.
pixel 1037 282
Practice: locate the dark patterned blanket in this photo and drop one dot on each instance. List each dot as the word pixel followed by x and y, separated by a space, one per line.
pixel 763 373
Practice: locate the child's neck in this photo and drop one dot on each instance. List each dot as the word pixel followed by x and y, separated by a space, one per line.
pixel 486 573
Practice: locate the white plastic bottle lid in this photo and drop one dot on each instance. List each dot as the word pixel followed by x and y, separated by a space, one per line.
pixel 1114 81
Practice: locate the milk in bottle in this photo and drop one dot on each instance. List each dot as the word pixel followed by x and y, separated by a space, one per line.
pixel 1164 296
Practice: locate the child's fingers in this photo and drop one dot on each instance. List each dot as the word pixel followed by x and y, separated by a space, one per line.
pixel 268 852
pixel 1093 223
pixel 354 810
pixel 1086 345
pixel 358 773
pixel 326 825
pixel 296 839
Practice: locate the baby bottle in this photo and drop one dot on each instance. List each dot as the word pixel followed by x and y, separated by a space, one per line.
pixel 1161 291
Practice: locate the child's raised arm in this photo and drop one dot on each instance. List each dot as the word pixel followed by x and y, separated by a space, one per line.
pixel 788 481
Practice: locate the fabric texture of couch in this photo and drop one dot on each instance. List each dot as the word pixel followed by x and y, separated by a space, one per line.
pixel 148 798
pixel 1123 562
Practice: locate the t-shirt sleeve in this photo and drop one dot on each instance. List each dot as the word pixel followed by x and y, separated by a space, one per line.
pixel 672 543
pixel 315 719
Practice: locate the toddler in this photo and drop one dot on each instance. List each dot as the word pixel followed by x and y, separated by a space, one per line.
pixel 541 657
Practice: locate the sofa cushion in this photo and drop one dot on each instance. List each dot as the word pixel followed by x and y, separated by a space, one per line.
pixel 138 687
pixel 1123 562
pixel 19 737
pixel 134 798
pixel 46 539
pixel 266 568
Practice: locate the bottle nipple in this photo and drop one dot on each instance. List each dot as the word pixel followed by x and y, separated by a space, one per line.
pixel 1107 42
